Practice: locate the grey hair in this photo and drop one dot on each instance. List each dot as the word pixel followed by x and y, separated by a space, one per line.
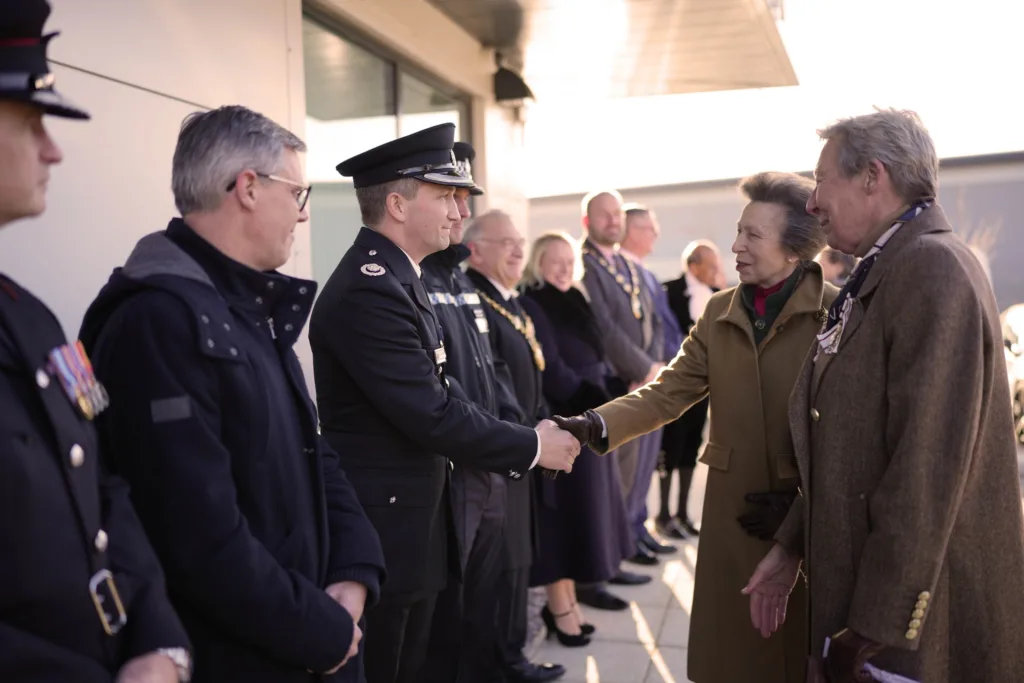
pixel 472 232
pixel 802 234
pixel 591 196
pixel 692 254
pixel 372 199
pixel 532 276
pixel 895 138
pixel 215 146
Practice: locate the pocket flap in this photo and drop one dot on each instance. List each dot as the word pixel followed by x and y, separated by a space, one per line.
pixel 785 466
pixel 716 456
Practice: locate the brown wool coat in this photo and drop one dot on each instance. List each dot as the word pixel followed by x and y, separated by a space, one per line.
pixel 910 518
pixel 749 451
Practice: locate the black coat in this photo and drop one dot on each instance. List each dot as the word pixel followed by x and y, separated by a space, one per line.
pixel 510 346
pixel 385 407
pixel 212 425
pixel 55 498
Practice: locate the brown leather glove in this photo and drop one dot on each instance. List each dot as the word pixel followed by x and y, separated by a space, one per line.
pixel 586 428
pixel 770 508
pixel 847 655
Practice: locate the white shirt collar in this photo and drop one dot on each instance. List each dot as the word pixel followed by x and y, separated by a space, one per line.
pixel 505 292
pixel 415 266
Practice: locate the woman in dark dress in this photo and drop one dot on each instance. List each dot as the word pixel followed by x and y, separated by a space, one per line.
pixel 581 517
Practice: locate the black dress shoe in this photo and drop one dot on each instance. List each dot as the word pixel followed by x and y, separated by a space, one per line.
pixel 629 579
pixel 656 546
pixel 643 556
pixel 671 528
pixel 688 526
pixel 601 599
pixel 527 672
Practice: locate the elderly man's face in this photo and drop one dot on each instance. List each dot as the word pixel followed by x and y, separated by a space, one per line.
pixel 840 203
pixel 709 270
pixel 499 252
pixel 273 233
pixel 605 221
pixel 27 151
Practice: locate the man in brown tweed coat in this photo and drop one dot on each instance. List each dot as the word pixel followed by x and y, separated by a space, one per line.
pixel 909 521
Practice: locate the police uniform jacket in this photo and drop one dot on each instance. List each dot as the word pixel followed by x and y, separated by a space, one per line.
pixel 511 346
pixel 63 520
pixel 473 372
pixel 212 425
pixel 385 407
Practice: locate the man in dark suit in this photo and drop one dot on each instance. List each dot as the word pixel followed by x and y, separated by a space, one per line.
pixel 496 264
pixel 634 343
pixel 384 396
pixel 682 439
pixel 82 595
pixel 270 558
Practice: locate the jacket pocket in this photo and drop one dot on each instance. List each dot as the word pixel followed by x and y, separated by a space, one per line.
pixel 785 466
pixel 716 456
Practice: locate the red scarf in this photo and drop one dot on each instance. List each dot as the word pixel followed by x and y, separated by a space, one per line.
pixel 761 295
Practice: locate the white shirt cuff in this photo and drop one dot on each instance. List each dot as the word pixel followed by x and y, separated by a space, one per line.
pixel 604 427
pixel 537 457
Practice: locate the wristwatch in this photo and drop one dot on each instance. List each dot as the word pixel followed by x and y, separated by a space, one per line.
pixel 182 661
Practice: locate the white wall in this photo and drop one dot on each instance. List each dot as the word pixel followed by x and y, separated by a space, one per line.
pixel 140 66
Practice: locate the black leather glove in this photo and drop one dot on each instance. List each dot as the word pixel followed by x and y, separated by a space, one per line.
pixel 586 428
pixel 847 655
pixel 770 508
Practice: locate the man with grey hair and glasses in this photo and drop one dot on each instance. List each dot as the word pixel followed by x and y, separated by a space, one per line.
pixel 270 559
pixel 909 517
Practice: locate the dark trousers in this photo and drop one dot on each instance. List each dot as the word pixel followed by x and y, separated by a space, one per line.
pixel 513 596
pixel 396 641
pixel 680 444
pixel 464 632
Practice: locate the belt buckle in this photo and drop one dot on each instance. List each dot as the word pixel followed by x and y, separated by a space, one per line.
pixel 103 579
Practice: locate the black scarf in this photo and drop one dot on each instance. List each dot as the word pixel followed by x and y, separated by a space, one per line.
pixel 572 310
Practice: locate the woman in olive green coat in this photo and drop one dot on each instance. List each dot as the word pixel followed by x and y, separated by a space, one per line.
pixel 746 352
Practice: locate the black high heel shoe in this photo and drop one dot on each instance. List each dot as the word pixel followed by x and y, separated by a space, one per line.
pixel 566 639
pixel 585 628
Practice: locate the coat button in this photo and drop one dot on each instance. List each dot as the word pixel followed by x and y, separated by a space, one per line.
pixel 815 415
pixel 915 623
pixel 759 324
pixel 42 378
pixel 911 634
pixel 209 342
pixel 925 595
pixel 289 327
pixel 921 605
pixel 233 351
pixel 76 456
pixel 392 500
pixel 296 308
pixel 101 540
pixel 917 614
pixel 303 290
pixel 205 318
pixel 227 328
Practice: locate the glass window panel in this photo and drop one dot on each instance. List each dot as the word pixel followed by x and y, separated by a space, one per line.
pixel 421 105
pixel 350 107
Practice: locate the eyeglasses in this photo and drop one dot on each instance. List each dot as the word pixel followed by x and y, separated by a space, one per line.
pixel 507 243
pixel 300 199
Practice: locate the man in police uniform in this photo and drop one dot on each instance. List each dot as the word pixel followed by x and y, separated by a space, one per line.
pixel 385 402
pixel 495 267
pixel 269 556
pixel 466 652
pixel 82 596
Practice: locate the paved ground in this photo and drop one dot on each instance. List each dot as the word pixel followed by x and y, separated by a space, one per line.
pixel 646 644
